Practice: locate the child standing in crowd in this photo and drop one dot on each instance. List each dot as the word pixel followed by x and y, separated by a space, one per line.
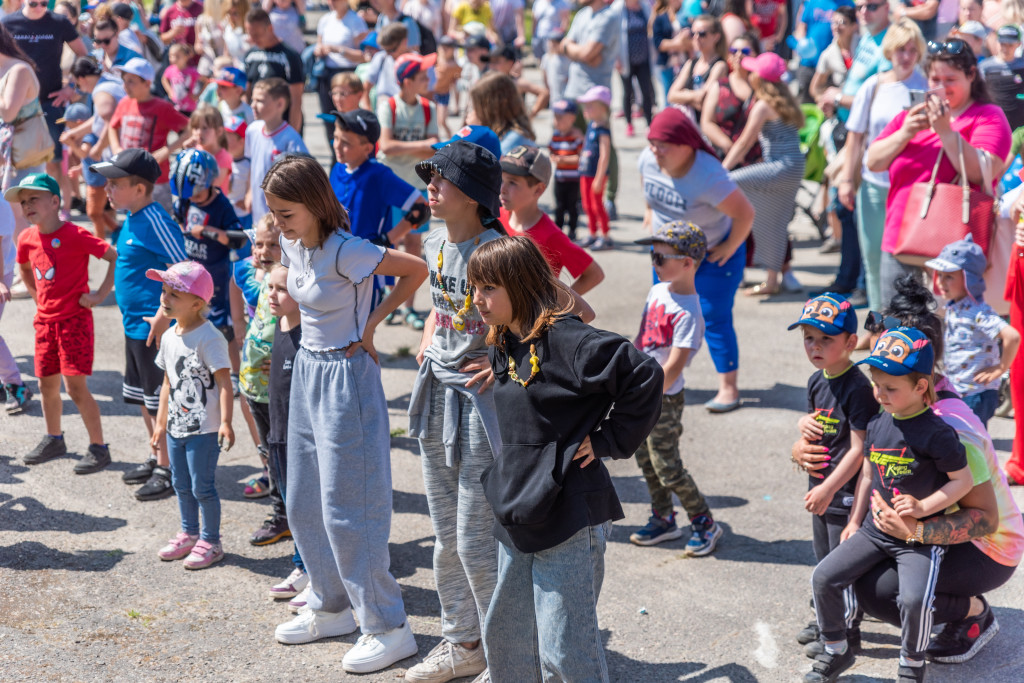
pixel 54 260
pixel 241 170
pixel 553 501
pixel 338 444
pixel 448 72
pixel 972 358
pixel 231 83
pixel 346 91
pixel 594 159
pixel 195 410
pixel 408 124
pixel 144 121
pixel 566 147
pixel 206 133
pixel 452 396
pixel 915 460
pixel 287 336
pixel 840 403
pixel 149 239
pixel 525 174
pixel 181 81
pixel 268 138
pixel 14 391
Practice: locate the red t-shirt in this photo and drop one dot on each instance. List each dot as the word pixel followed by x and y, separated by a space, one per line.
pixel 177 16
pixel 146 125
pixel 558 249
pixel 60 265
pixel 765 16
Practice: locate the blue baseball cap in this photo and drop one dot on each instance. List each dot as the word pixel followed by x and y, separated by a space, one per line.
pixel 370 41
pixel 478 135
pixel 902 351
pixel 830 313
pixel 230 76
pixel 564 107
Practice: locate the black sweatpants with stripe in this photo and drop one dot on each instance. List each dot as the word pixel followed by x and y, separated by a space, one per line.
pixel 918 568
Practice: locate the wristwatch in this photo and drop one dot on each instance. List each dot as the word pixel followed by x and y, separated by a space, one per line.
pixel 917 538
pixel 837 101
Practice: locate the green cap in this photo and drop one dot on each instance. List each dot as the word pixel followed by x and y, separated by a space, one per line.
pixel 34 181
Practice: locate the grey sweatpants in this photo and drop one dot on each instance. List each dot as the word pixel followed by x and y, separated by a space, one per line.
pixel 465 550
pixel 918 568
pixel 339 480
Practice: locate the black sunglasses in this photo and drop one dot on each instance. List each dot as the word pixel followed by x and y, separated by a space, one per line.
pixel 36 4
pixel 744 50
pixel 876 323
pixel 700 34
pixel 951 47
pixel 103 41
pixel 872 6
pixel 659 259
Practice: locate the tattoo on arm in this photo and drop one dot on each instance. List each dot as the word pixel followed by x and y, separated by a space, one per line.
pixel 959 527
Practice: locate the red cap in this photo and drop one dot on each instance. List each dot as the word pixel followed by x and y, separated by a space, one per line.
pixel 675 127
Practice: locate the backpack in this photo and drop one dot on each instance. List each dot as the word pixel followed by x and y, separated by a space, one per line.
pixel 424 102
pixel 428 43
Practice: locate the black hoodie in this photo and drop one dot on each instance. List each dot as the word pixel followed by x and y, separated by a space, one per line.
pixel 591 382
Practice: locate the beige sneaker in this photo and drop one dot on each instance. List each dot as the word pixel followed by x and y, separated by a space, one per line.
pixel 447 661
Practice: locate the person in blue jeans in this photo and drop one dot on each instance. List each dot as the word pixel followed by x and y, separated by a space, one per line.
pixel 552 497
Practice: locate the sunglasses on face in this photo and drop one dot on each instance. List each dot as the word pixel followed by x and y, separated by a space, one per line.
pixel 743 50
pixel 700 34
pixel 950 47
pixel 871 6
pixel 36 4
pixel 876 323
pixel 103 41
pixel 659 259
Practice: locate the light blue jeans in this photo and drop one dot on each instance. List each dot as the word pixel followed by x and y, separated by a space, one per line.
pixel 542 622
pixel 870 226
pixel 193 464
pixel 339 486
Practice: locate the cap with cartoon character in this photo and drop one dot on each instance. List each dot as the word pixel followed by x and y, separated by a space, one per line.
pixel 830 313
pixel 901 351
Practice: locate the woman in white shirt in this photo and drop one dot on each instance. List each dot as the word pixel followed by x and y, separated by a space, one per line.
pixel 338 34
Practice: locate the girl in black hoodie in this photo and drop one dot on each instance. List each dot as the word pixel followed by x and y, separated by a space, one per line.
pixel 567 395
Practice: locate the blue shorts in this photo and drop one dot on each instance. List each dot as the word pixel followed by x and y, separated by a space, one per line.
pixel 442 100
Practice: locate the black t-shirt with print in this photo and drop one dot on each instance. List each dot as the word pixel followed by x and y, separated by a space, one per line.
pixel 840 404
pixel 43 41
pixel 279 61
pixel 912 455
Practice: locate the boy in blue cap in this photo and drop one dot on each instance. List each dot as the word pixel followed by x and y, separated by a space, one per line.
pixel 840 403
pixel 916 461
pixel 972 359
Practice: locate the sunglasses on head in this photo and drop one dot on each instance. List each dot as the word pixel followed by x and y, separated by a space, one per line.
pixel 950 47
pixel 876 323
pixel 872 6
pixel 744 50
pixel 659 259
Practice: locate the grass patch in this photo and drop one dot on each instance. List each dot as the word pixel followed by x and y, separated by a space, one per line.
pixel 397 432
pixel 403 352
pixel 134 614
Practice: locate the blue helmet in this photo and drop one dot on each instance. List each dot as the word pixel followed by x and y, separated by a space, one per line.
pixel 192 170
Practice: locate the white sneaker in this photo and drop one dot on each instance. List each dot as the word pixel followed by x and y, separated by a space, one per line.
pixel 299 601
pixel 376 651
pixel 290 587
pixel 447 661
pixel 485 677
pixel 313 625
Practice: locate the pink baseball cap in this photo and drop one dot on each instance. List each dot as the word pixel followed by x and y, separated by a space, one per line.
pixel 188 276
pixel 766 65
pixel 598 93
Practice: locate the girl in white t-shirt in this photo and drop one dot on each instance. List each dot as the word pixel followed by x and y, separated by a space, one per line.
pixel 338 432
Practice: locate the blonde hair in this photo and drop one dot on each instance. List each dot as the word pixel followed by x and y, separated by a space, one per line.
pixel 1012 12
pixel 499 106
pixel 242 7
pixel 780 99
pixel 901 32
pixel 267 222
pixel 214 10
pixel 178 48
pixel 209 116
pixel 347 79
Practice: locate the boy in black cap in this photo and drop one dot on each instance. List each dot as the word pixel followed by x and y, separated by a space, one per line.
pixel 455 380
pixel 149 238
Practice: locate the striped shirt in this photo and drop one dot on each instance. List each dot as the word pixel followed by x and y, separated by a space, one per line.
pixel 563 146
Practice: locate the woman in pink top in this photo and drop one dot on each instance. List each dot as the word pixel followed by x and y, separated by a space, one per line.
pixel 910 144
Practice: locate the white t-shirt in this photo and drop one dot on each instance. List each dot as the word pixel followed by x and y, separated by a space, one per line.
pixel 340 32
pixel 408 125
pixel 381 73
pixel 243 111
pixel 190 360
pixel 333 288
pixel 545 16
pixel 263 149
pixel 556 74
pixel 670 321
pixel 892 98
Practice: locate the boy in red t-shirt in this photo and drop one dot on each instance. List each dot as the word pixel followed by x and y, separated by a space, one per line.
pixel 525 173
pixel 143 121
pixel 54 260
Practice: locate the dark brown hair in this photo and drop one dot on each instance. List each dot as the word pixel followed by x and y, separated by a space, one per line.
pixel 10 48
pixel 966 62
pixel 300 179
pixel 537 296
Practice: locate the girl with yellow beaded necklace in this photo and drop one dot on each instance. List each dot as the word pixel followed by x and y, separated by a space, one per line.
pixel 568 395
pixel 451 410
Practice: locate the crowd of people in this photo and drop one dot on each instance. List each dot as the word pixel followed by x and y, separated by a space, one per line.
pixel 244 269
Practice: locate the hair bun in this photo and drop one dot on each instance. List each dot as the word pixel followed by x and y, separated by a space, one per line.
pixel 911 298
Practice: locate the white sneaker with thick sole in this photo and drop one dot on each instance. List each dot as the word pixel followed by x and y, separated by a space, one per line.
pixel 313 625
pixel 447 661
pixel 376 651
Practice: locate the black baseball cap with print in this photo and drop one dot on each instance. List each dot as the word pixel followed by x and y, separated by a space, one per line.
pixel 358 121
pixel 527 161
pixel 128 162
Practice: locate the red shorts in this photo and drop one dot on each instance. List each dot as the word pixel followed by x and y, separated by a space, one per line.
pixel 65 346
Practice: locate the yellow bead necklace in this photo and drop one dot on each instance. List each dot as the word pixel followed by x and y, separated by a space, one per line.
pixel 534 365
pixel 458 320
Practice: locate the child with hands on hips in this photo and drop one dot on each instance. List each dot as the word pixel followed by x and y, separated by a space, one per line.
pixel 553 500
pixel 917 461
pixel 196 403
pixel 840 403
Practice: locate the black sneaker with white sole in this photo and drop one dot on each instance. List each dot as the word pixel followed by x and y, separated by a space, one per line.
pixel 827 667
pixel 960 640
pixel 96 459
pixel 140 474
pixel 158 486
pixel 48 448
pixel 809 633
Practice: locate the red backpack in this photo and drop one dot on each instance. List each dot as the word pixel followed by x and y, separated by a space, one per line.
pixel 424 102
